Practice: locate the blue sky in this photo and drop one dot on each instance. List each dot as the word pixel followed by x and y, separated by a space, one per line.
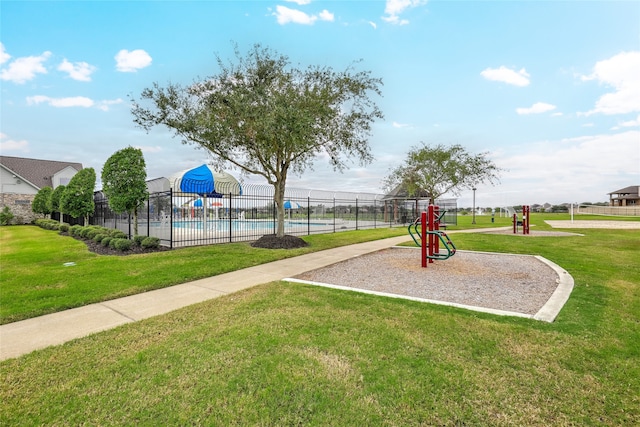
pixel 551 90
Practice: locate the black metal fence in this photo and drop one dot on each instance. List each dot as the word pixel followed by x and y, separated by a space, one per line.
pixel 181 219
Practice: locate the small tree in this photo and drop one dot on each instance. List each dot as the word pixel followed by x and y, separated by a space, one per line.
pixel 42 202
pixel 269 119
pixel 56 196
pixel 124 182
pixel 77 199
pixel 439 170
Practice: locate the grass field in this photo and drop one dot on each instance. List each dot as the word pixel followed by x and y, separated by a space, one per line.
pixel 289 354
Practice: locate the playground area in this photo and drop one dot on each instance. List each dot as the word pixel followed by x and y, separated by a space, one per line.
pixel 516 285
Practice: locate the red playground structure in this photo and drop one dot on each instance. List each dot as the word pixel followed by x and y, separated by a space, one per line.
pixel 525 221
pixel 431 236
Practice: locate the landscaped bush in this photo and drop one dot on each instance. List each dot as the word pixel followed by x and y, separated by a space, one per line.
pixel 83 233
pixel 150 242
pixel 138 240
pixel 112 243
pixel 6 216
pixel 122 244
pixel 93 232
pixel 98 237
pixel 75 230
pixel 47 224
pixel 105 241
pixel 64 228
pixel 117 234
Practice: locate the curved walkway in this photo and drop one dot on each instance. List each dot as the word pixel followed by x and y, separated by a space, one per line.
pixel 19 338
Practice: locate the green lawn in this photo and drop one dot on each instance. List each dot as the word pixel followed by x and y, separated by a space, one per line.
pixel 283 354
pixel 35 280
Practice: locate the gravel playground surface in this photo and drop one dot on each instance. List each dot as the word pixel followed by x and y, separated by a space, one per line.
pixel 514 283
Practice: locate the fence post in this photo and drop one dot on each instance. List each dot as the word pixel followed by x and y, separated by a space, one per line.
pixel 148 214
pixel 308 215
pixel 356 212
pixel 230 220
pixel 334 214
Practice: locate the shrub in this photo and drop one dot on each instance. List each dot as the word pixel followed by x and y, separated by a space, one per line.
pixel 64 228
pixel 6 216
pixel 83 233
pixel 123 244
pixel 112 243
pixel 98 237
pixel 138 240
pixel 105 241
pixel 150 242
pixel 93 232
pixel 47 224
pixel 75 230
pixel 117 234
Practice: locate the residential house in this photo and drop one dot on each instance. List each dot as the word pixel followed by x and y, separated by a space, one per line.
pixel 21 179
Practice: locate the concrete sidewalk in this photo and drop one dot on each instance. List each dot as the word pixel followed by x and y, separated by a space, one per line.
pixel 19 338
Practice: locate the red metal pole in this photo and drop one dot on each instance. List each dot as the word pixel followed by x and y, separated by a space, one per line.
pixel 515 223
pixel 525 219
pixel 436 227
pixel 431 219
pixel 423 236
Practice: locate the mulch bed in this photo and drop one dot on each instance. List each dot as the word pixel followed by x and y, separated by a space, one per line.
pixel 265 242
pixel 270 241
pixel 99 249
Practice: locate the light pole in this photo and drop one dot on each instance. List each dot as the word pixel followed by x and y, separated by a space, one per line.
pixel 473 221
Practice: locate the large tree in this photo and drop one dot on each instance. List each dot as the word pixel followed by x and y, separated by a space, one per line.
pixel 56 196
pixel 441 169
pixel 77 199
pixel 268 118
pixel 124 182
pixel 42 201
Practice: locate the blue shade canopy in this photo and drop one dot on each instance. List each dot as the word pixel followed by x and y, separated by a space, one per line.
pixel 205 182
pixel 289 205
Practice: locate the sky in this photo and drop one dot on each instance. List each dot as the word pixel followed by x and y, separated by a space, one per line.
pixel 549 90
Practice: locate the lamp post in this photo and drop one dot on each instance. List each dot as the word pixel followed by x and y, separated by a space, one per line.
pixel 473 221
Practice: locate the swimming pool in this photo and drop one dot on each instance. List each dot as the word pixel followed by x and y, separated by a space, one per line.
pixel 245 225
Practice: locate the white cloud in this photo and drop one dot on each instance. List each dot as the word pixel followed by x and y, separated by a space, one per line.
pixel 621 73
pixel 285 15
pixel 507 75
pixel 23 69
pixel 75 101
pixel 80 71
pixel 537 108
pixel 373 24
pixel 4 56
pixel 400 125
pixel 148 149
pixel 394 8
pixel 567 170
pixel 325 15
pixel 631 123
pixel 299 2
pixel 104 105
pixel 132 61
pixel 7 144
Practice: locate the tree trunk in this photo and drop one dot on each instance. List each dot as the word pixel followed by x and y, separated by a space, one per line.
pixel 135 222
pixel 278 199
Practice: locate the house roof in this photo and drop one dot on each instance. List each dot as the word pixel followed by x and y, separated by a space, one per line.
pixel 35 171
pixel 633 189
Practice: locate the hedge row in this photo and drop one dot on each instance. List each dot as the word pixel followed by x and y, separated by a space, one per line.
pixel 107 237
